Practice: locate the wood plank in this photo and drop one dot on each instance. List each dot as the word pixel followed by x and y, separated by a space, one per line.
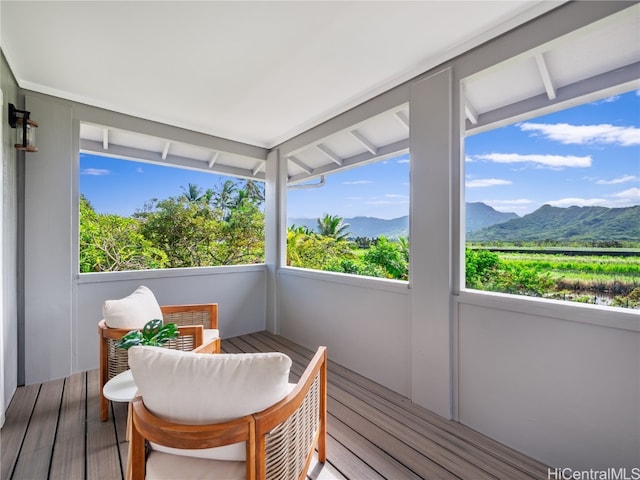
pixel 69 450
pixel 15 427
pixel 362 458
pixel 369 455
pixel 490 455
pixel 373 432
pixel 35 456
pixel 103 460
pixel 119 414
pixel 323 471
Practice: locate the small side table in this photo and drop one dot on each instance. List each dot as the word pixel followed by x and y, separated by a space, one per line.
pixel 122 388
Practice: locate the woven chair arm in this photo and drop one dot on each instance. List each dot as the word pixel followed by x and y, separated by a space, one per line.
pixel 288 432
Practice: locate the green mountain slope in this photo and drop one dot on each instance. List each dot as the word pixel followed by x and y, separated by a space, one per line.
pixel 567 224
pixel 480 215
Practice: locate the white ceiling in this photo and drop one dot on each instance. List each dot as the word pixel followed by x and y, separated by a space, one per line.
pixel 255 72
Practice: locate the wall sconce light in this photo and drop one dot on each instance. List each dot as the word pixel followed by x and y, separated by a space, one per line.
pixel 25 129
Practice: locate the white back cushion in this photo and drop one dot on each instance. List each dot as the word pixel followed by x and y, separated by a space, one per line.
pixel 190 388
pixel 132 312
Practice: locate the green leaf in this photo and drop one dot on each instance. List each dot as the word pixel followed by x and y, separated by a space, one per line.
pixel 154 333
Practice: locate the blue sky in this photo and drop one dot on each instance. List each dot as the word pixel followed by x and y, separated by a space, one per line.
pixel 588 155
pixel 585 156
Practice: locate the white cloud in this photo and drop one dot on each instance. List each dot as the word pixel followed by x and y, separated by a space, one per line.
pixel 139 170
pixel 585 134
pixel 519 201
pixel 612 99
pixel 578 202
pixel 357 182
pixel 520 206
pixel 404 160
pixel 615 181
pixel 97 172
pixel 468 159
pixel 631 195
pixel 394 195
pixel 626 198
pixel 486 182
pixel 554 161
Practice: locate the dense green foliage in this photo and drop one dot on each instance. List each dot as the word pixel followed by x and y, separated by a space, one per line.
pixel 111 243
pixel 223 226
pixel 328 249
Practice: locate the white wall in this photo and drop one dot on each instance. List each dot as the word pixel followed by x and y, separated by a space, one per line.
pixel 363 322
pixel 565 392
pixel 9 349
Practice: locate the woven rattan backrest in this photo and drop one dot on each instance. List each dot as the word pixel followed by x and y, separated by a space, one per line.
pixel 288 444
pixel 118 358
pixel 188 317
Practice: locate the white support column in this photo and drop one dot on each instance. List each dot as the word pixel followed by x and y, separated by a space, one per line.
pixel 431 249
pixel 275 230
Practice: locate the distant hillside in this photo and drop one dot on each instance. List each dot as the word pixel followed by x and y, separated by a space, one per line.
pixel 479 215
pixel 567 224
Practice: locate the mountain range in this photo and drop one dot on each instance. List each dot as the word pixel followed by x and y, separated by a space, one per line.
pixel 567 224
pixel 483 223
pixel 478 215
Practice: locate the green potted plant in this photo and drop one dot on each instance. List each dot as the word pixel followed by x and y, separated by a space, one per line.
pixel 154 333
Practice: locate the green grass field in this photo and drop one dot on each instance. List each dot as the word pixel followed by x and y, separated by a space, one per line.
pixel 605 274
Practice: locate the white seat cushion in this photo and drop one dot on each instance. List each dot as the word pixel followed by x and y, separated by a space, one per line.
pixel 209 335
pixel 190 388
pixel 162 466
pixel 132 312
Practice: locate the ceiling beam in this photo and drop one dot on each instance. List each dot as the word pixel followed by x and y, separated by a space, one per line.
pixel 258 168
pixel 329 153
pixel 546 76
pixel 404 120
pixel 385 151
pixel 139 155
pixel 470 112
pixel 105 138
pixel 364 141
pixel 606 84
pixel 305 168
pixel 165 151
pixel 212 160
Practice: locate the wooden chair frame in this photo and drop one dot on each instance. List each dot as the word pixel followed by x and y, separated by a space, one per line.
pixel 191 321
pixel 268 454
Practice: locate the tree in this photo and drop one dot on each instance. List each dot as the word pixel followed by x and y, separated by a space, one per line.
pixel 227 229
pixel 333 226
pixel 113 243
pixel 392 257
pixel 308 250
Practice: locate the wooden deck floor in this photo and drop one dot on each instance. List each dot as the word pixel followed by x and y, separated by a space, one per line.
pixel 53 431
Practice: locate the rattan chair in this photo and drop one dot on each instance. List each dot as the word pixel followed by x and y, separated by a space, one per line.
pixel 198 330
pixel 280 440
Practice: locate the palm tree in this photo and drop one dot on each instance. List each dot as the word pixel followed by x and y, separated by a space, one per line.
pixel 192 194
pixel 255 191
pixel 333 226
